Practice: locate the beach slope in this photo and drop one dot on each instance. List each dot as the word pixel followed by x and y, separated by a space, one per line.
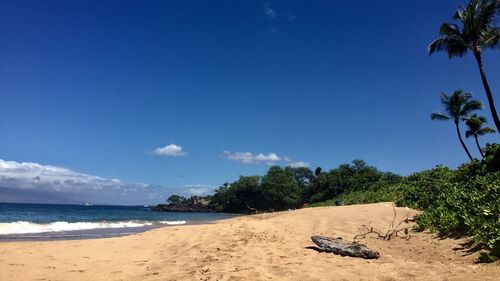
pixel 260 247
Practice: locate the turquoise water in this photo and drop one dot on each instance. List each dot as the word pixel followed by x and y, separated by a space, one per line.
pixel 47 221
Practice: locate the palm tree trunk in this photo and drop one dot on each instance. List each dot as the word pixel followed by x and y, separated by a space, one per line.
pixel 479 147
pixel 462 142
pixel 489 95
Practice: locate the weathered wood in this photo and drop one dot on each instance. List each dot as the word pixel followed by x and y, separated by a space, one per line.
pixel 343 248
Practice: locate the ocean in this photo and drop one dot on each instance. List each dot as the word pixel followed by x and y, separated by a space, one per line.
pixel 49 221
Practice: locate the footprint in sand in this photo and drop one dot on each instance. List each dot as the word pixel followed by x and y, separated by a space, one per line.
pixel 141 263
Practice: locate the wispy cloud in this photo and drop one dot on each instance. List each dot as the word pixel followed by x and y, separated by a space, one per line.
pixel 290 16
pixel 275 19
pixel 170 150
pixel 274 29
pixel 198 189
pixel 250 158
pixel 261 158
pixel 298 164
pixel 268 11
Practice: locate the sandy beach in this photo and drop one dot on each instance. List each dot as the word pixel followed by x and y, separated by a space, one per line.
pixel 258 247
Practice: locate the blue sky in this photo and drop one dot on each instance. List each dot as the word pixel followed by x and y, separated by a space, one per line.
pixel 96 86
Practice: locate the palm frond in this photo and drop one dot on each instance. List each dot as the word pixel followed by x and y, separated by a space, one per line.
pixel 459 14
pixel 471 106
pixel 481 118
pixel 440 116
pixel 461 95
pixel 477 29
pixel 455 47
pixel 491 38
pixel 485 130
pixel 475 118
pixel 475 125
pixel 450 30
pixel 487 12
pixel 469 133
pixel 444 98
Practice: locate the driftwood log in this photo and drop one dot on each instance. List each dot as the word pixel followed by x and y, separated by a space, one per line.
pixel 343 248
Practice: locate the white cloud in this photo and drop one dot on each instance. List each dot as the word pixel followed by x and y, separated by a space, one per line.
pixel 290 16
pixel 249 158
pixel 170 150
pixel 298 164
pixel 24 181
pixel 268 158
pixel 261 158
pixel 268 11
pixel 295 164
pixel 199 189
pixel 28 178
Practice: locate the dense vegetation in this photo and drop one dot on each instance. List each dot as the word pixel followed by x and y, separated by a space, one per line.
pixel 462 201
pixel 466 200
pixel 288 188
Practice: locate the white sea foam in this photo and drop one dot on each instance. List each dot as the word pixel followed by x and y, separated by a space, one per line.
pixel 24 227
pixel 173 222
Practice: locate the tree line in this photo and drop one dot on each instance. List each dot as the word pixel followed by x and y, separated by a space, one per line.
pixel 289 188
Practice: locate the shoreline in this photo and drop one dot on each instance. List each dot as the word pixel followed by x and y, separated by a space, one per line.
pixel 97 233
pixel 265 246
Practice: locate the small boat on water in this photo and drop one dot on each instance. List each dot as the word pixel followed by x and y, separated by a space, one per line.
pixel 87 204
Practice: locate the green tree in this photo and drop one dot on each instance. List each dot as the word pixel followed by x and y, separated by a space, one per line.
pixel 247 192
pixel 457 107
pixel 476 34
pixel 280 189
pixel 220 198
pixel 476 127
pixel 324 186
pixel 175 199
pixel 302 175
pixel 241 196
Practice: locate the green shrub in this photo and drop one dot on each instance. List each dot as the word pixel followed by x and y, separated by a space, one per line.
pixel 422 189
pixel 388 193
pixel 463 201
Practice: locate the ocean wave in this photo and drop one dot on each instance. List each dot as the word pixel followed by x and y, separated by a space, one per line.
pixel 173 222
pixel 24 227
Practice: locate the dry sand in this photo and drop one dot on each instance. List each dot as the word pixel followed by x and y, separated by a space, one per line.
pixel 259 247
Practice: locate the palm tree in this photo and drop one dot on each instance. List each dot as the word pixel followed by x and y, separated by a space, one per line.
pixel 475 124
pixel 478 32
pixel 457 107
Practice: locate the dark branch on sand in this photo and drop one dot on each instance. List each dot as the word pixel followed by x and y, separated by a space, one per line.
pixel 395 231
